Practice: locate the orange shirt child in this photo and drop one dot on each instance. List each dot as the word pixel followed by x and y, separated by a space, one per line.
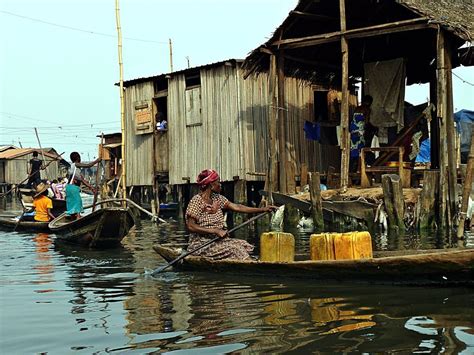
pixel 42 204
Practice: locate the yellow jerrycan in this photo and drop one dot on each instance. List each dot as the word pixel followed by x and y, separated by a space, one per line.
pixel 277 247
pixel 341 246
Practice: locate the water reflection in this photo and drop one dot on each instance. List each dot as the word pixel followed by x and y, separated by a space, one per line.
pixel 44 266
pixel 103 302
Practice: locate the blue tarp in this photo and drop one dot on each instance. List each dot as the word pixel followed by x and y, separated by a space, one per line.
pixel 424 153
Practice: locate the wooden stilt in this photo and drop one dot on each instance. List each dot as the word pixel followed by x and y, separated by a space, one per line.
pixel 345 148
pixel 291 217
pixel 393 200
pixel 316 204
pixel 240 196
pixel 445 116
pixel 467 183
pixel 304 175
pixel 429 200
pixel 290 177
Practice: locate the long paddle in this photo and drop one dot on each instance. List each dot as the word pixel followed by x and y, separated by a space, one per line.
pixel 182 256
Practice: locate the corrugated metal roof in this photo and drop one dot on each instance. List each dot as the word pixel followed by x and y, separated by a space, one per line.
pixel 18 152
pixel 131 82
pixel 6 147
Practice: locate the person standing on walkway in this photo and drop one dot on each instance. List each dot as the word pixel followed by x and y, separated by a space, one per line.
pixel 34 174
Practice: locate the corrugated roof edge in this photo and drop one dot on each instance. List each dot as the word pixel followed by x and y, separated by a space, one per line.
pixel 131 82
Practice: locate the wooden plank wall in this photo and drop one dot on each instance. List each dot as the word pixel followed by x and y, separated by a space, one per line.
pixel 139 148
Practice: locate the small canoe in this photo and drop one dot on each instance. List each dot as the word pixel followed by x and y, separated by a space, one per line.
pixel 103 228
pixel 429 267
pixel 11 222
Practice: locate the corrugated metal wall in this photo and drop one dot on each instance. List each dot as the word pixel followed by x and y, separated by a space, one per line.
pixel 139 148
pixel 16 170
pixel 215 142
pixel 233 135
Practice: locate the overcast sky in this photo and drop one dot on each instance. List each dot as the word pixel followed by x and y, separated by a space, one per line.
pixel 58 59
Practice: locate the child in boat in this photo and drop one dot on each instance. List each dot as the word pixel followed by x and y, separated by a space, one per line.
pixel 205 220
pixel 74 206
pixel 42 204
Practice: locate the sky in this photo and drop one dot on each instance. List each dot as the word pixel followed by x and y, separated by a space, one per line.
pixel 59 59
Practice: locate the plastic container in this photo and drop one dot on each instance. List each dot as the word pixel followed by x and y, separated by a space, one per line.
pixel 341 246
pixel 277 247
pixel 322 246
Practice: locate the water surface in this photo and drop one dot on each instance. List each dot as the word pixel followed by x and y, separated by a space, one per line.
pixel 60 299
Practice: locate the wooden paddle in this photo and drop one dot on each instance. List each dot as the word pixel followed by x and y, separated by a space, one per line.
pixel 182 256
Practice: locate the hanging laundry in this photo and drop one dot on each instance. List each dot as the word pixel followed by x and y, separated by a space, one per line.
pixel 385 82
pixel 312 130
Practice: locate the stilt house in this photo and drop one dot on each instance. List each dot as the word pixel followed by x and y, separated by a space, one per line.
pixel 349 42
pixel 215 118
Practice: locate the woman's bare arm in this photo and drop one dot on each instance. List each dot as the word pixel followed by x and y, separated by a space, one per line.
pixel 246 209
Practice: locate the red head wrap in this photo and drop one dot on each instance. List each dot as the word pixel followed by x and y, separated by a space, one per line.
pixel 206 177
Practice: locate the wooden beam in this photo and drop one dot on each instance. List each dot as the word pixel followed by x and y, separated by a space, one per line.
pixel 345 148
pixel 312 16
pixel 377 30
pixel 312 62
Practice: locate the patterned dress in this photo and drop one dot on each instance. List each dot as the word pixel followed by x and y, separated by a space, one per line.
pixel 211 216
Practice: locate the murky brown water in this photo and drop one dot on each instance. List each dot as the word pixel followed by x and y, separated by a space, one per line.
pixel 59 300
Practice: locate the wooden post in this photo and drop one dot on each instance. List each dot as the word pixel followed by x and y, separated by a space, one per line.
pixel 316 204
pixel 290 177
pixel 291 217
pixel 304 175
pixel 281 113
pixel 394 202
pixel 467 189
pixel 345 148
pixel 42 154
pixel 240 196
pixel 122 100
pixel 272 181
pixel 448 173
pixel 171 55
pixel 428 200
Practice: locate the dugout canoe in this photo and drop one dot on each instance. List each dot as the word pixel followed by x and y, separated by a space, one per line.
pixel 11 222
pixel 103 228
pixel 422 267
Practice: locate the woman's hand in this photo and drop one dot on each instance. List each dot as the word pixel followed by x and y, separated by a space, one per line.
pixel 221 233
pixel 269 208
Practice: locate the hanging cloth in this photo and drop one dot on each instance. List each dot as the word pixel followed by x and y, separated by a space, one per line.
pixel 385 82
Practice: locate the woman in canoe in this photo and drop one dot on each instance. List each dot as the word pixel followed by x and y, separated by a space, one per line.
pixel 205 220
pixel 74 206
